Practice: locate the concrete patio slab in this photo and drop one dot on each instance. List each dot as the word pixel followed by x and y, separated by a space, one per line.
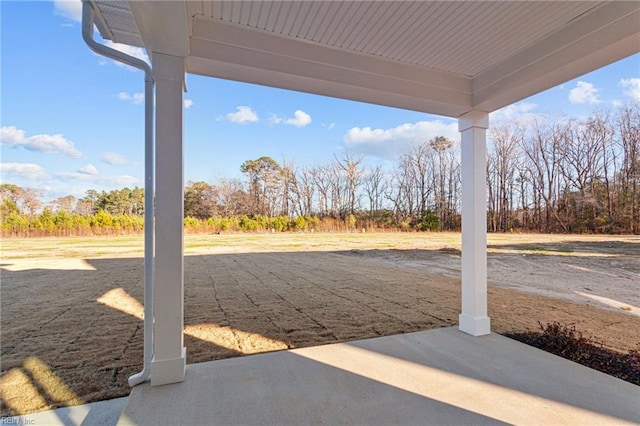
pixel 434 377
pixel 101 413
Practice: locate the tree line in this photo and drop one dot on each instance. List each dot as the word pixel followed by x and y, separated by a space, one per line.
pixel 567 175
pixel 543 175
pixel 98 213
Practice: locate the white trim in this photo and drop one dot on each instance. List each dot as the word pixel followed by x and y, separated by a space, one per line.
pixel 475 118
pixel 480 326
pixel 474 319
pixel 169 371
pixel 163 26
pixel 604 33
pixel 169 359
pixel 603 37
pixel 238 53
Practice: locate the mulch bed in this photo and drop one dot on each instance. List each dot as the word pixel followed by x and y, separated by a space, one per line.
pixel 571 344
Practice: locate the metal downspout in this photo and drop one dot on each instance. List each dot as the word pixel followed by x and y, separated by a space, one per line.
pixel 88 16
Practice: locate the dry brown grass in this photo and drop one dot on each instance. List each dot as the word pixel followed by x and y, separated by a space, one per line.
pixel 72 328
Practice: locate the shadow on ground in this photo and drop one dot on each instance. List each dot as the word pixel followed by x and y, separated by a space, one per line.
pixel 74 335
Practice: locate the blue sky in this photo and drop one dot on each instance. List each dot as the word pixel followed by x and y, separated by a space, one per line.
pixel 72 120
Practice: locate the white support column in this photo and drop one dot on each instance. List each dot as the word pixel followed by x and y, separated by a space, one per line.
pixel 169 358
pixel 474 320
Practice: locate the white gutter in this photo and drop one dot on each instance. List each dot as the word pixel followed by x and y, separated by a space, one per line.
pixel 88 16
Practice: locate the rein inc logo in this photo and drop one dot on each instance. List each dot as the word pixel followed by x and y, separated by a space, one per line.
pixel 17 421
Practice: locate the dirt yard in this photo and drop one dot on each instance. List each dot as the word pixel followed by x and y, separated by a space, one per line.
pixel 71 308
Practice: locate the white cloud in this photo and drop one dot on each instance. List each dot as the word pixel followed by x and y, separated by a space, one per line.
pixel 134 98
pixel 389 143
pixel 89 169
pixel 50 144
pixel 300 119
pixel 188 103
pixel 517 111
pixel 584 93
pixel 633 87
pixel 23 170
pixel 329 126
pixel 243 115
pixel 71 9
pixel 119 180
pixel 113 158
pixel 274 119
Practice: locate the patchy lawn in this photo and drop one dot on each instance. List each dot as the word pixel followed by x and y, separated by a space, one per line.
pixel 71 309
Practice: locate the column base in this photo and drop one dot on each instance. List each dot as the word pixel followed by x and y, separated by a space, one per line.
pixel 474 326
pixel 168 371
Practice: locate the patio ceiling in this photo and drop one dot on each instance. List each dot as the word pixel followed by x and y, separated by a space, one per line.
pixel 438 57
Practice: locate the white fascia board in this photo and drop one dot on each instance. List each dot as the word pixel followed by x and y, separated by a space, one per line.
pixel 163 26
pixel 609 34
pixel 330 70
pixel 282 80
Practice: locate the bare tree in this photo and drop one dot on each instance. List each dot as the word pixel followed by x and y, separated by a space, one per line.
pixel 84 207
pixel 322 179
pixel 440 145
pixel 542 152
pixel 304 190
pixel 421 169
pixel 287 187
pixel 337 190
pixel 64 204
pixel 233 199
pixel 502 167
pixel 454 182
pixel 402 189
pixel 550 175
pixel 350 166
pixel 29 201
pixel 628 141
pixel 375 185
pixel 582 167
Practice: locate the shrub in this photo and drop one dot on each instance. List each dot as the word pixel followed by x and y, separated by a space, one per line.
pixel 15 224
pixel 351 222
pixel 191 222
pixel 102 219
pixel 301 223
pixel 569 343
pixel 45 223
pixel 312 221
pixel 428 221
pixel 280 223
pixel 229 224
pixel 248 223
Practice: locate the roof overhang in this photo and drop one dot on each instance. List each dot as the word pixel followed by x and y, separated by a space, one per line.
pixel 445 58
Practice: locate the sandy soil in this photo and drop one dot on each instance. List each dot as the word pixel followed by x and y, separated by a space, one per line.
pixel 605 273
pixel 71 312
